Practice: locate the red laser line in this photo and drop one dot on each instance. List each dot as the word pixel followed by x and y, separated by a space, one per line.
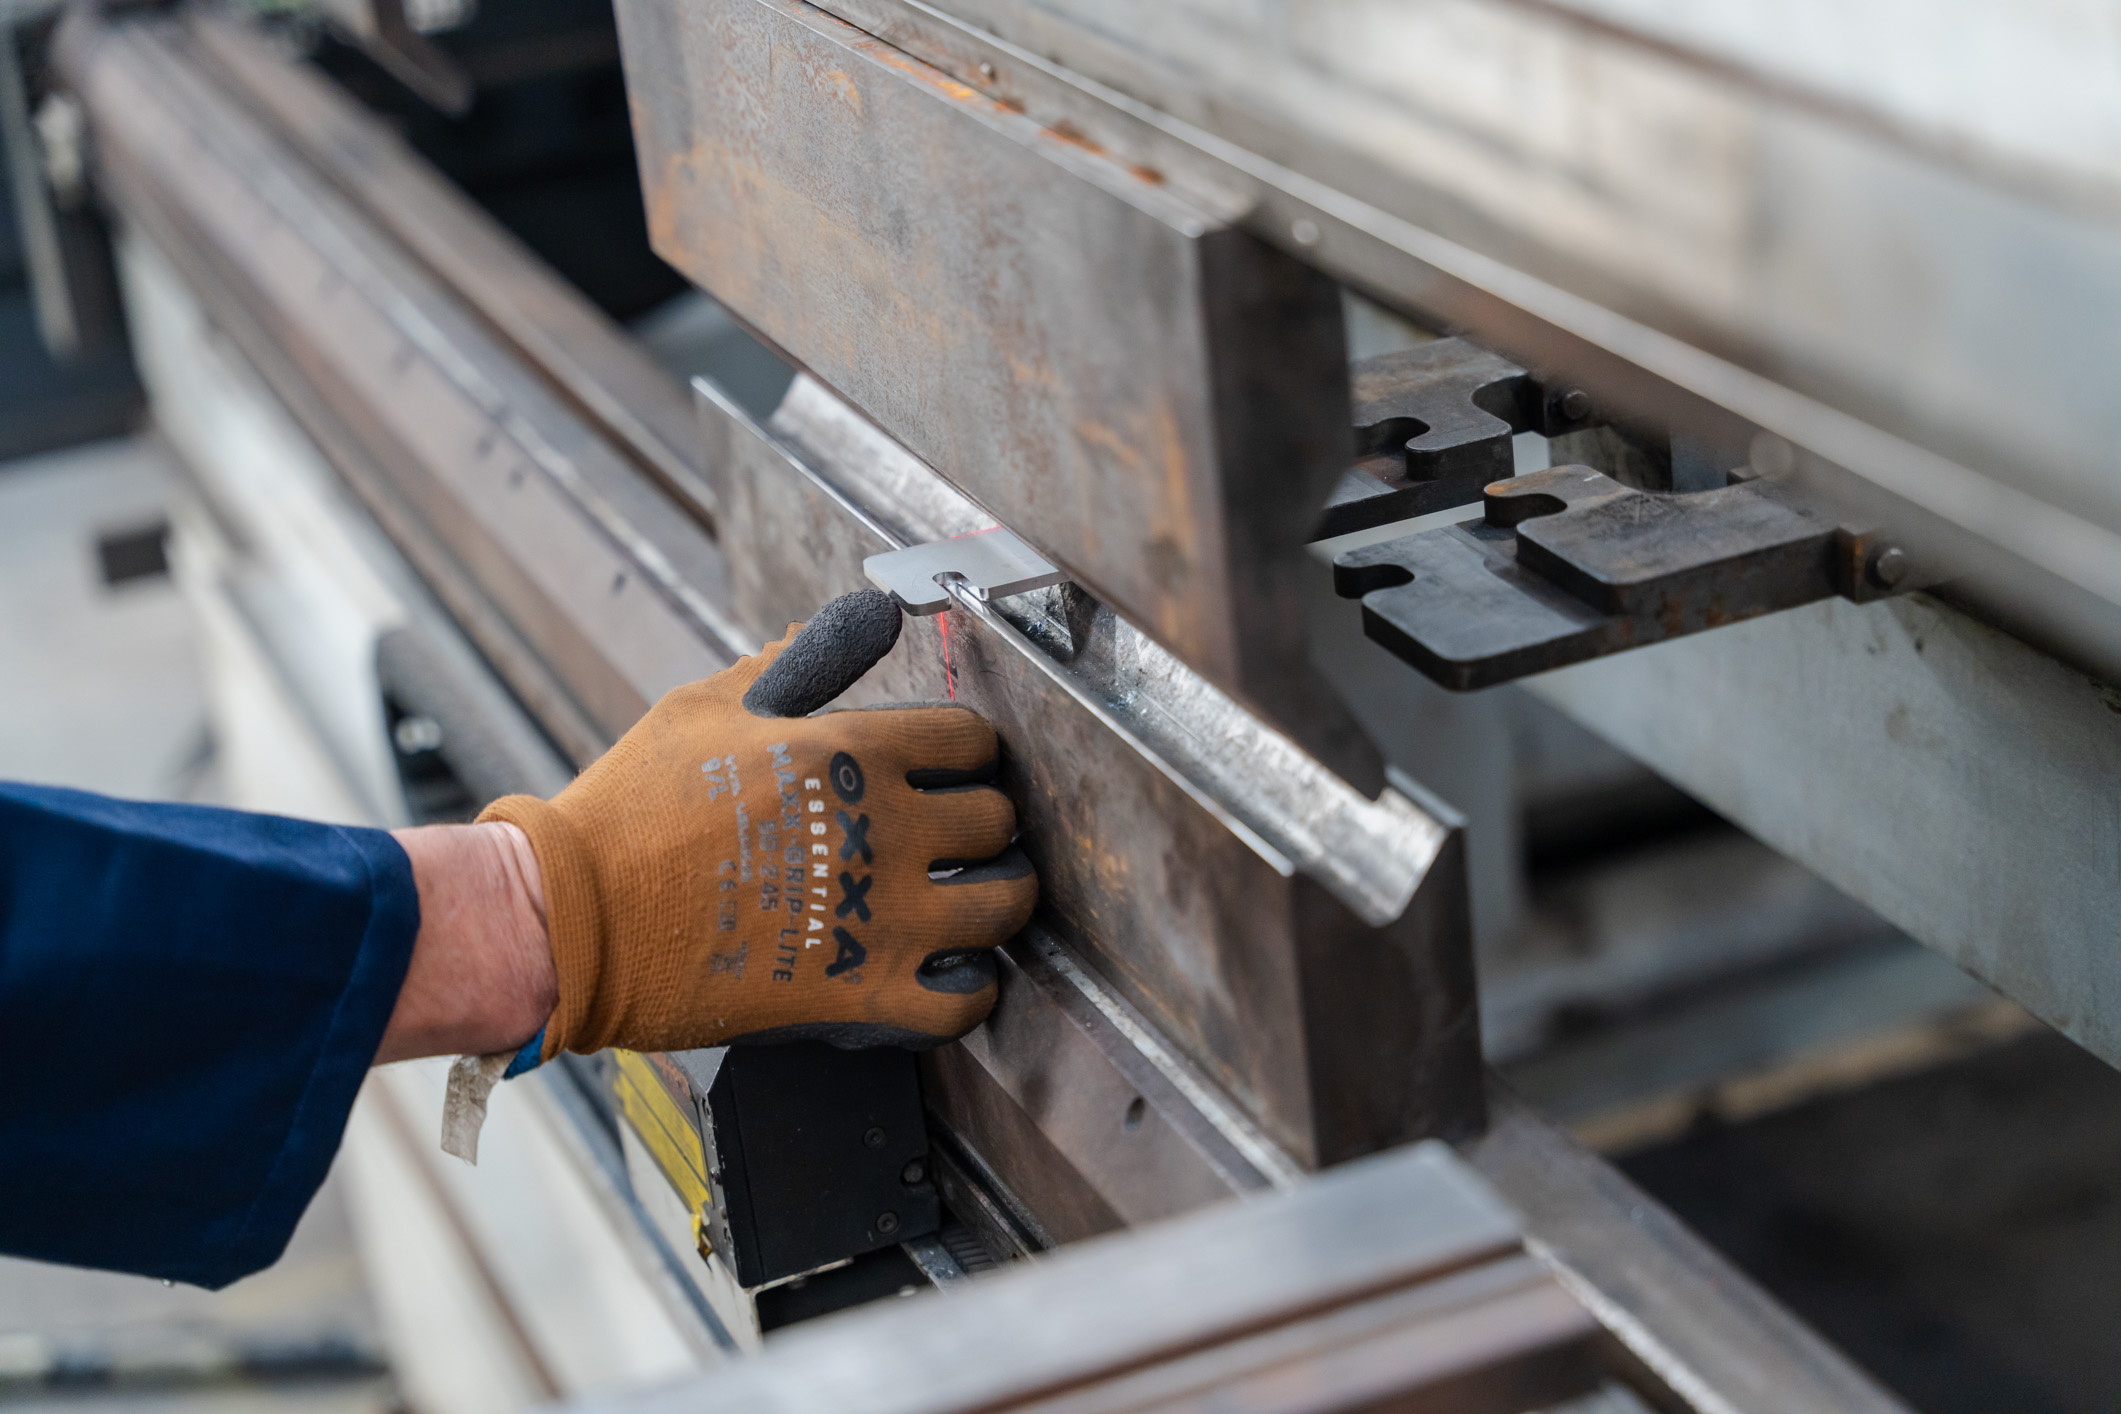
pixel 949 673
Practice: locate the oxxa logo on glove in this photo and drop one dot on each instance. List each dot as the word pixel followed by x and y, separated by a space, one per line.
pixel 879 857
pixel 854 893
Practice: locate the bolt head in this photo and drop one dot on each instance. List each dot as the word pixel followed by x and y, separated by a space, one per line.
pixel 1304 231
pixel 873 1136
pixel 1890 566
pixel 1575 404
pixel 913 1172
pixel 887 1223
pixel 986 71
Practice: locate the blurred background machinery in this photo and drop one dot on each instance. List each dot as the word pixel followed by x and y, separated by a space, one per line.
pixel 1733 1014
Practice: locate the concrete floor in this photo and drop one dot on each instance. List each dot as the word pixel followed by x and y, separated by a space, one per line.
pixel 100 688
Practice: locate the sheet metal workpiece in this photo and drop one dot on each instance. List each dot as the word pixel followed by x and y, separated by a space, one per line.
pixel 1433 425
pixel 1303 949
pixel 1156 399
pixel 1569 564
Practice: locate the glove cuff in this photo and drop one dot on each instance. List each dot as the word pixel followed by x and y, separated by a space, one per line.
pixel 573 910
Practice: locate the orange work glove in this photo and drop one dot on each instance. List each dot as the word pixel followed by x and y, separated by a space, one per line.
pixel 735 869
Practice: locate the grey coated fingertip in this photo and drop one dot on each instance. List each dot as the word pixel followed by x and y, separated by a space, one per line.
pixel 941 780
pixel 841 641
pixel 1011 863
pixel 959 973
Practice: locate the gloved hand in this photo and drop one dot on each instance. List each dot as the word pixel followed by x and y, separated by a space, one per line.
pixel 734 869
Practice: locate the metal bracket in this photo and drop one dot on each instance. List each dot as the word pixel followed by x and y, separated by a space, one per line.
pixel 1433 426
pixel 1570 564
pixel 990 563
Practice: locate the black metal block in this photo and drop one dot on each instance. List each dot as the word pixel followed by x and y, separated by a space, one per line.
pixel 1432 428
pixel 815 1154
pixel 1569 564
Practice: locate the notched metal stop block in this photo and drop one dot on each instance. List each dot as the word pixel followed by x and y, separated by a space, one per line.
pixel 1569 564
pixel 1433 426
pixel 990 563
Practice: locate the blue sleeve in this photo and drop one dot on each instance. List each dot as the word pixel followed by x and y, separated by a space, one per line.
pixel 189 998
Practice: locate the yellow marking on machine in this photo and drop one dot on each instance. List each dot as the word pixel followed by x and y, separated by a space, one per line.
pixel 669 1134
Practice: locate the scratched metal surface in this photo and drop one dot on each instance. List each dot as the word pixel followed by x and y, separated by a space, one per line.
pixel 1153 399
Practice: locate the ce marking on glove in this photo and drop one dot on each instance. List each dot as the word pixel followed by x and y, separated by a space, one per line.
pixel 845 774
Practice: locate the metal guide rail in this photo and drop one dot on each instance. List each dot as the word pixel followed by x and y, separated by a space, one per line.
pixel 1245 968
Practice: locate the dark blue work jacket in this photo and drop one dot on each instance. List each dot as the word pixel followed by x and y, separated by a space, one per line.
pixel 189 998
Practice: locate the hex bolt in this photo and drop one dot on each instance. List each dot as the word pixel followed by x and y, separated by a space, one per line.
pixel 887 1223
pixel 1575 404
pixel 913 1172
pixel 1890 566
pixel 874 1136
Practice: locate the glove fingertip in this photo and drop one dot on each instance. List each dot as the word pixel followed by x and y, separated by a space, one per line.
pixel 960 973
pixel 842 641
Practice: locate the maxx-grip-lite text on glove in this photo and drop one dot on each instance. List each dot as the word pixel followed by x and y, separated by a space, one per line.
pixel 735 869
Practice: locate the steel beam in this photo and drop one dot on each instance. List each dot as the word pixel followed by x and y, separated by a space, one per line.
pixel 1963 785
pixel 1153 399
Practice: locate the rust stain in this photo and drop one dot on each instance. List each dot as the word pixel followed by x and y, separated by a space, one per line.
pixel 1176 530
pixel 1067 132
pixel 1104 439
pixel 927 74
pixel 1153 455
pixel 781 232
pixel 848 92
pixel 1026 374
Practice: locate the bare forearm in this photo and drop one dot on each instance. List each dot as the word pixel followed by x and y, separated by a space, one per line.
pixel 481 978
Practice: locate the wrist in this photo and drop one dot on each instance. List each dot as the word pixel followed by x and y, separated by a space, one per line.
pixel 481 978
